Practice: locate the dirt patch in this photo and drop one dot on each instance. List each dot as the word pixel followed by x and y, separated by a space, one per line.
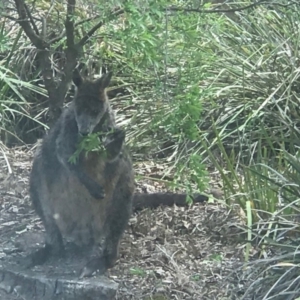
pixel 166 253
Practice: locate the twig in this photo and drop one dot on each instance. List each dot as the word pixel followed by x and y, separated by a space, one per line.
pixel 50 9
pixel 86 20
pixel 58 38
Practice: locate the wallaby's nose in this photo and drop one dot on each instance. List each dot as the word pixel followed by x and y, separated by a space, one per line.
pixel 84 133
pixel 84 126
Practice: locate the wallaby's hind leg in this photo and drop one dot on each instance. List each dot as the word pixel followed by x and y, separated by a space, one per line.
pixel 53 245
pixel 102 262
pixel 117 218
pixel 96 263
pixel 53 241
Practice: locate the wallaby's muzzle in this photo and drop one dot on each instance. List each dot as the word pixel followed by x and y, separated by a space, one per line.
pixel 86 124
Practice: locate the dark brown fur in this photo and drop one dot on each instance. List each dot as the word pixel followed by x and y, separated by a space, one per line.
pixel 91 201
pixel 141 201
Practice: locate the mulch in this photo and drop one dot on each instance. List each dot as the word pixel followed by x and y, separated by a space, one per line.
pixel 166 253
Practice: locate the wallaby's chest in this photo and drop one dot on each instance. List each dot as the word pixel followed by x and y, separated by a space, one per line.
pixel 97 167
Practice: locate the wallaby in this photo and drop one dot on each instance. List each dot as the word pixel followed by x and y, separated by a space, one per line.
pixel 91 200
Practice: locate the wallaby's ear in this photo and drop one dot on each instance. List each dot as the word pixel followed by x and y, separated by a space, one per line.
pixel 77 79
pixel 104 80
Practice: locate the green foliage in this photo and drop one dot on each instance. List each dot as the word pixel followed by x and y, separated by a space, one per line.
pixel 191 174
pixel 138 272
pixel 216 257
pixel 256 75
pixel 90 143
pixel 206 85
pixel 196 277
pixel 219 88
pixel 275 205
pixel 3 41
pixel 140 36
pixel 145 42
pixel 12 101
pixel 181 119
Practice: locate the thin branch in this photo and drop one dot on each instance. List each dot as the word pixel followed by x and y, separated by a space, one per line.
pixel 69 24
pixel 9 17
pixel 58 38
pixel 97 26
pixel 23 21
pixel 50 9
pixel 31 19
pixel 63 33
pixel 209 11
pixel 86 20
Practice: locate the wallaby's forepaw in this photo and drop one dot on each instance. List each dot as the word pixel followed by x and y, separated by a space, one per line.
pixel 115 138
pixel 96 264
pixel 96 191
pixel 119 134
pixel 113 143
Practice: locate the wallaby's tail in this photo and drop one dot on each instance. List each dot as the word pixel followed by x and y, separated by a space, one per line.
pixel 154 200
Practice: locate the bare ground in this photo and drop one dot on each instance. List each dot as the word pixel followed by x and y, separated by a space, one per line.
pixel 166 253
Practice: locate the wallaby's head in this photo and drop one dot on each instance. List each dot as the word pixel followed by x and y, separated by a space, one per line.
pixel 90 101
